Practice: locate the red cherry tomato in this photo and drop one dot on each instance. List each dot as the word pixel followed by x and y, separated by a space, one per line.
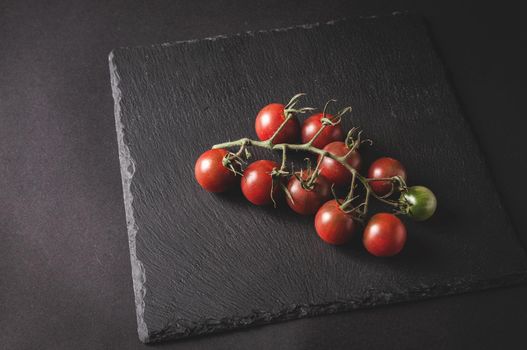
pixel 333 170
pixel 385 235
pixel 385 167
pixel 269 120
pixel 210 172
pixel 257 182
pixel 333 225
pixel 307 201
pixel 329 134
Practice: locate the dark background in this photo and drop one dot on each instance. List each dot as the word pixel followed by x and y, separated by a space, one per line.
pixel 65 278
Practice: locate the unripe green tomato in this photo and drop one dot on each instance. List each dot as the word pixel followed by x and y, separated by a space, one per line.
pixel 422 202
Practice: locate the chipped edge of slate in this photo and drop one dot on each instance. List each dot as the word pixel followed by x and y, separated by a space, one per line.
pixel 127 173
pixel 180 328
pixel 263 31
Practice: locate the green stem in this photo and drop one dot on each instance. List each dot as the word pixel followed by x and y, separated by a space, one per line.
pixel 242 148
pixel 308 148
pixel 284 156
pixel 313 176
pixel 352 187
pixel 281 127
pixel 310 142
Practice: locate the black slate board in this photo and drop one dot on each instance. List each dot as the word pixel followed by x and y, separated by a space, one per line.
pixel 203 263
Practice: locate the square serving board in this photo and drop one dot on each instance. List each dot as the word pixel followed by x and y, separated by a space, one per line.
pixel 204 263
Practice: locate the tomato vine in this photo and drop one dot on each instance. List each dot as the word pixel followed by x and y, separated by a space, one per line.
pixel 360 210
pixel 308 190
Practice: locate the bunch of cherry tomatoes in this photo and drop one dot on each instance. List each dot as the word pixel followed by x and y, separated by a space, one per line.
pixel 312 191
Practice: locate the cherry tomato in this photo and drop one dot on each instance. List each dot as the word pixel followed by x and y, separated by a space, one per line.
pixel 257 182
pixel 385 167
pixel 210 172
pixel 422 202
pixel 385 235
pixel 269 120
pixel 329 134
pixel 333 170
pixel 333 225
pixel 307 201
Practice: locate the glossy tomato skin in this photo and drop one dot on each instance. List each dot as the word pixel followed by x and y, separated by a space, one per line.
pixel 307 202
pixel 333 170
pixel 385 167
pixel 333 225
pixel 384 235
pixel 257 182
pixel 331 133
pixel 269 120
pixel 210 172
pixel 422 202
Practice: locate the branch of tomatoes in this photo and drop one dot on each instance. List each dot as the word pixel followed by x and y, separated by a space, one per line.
pixel 309 191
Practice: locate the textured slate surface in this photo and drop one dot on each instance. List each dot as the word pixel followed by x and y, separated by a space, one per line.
pixel 203 263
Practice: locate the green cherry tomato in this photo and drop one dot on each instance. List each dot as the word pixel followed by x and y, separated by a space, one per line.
pixel 421 202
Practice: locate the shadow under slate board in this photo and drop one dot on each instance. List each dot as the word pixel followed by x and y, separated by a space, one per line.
pixel 204 263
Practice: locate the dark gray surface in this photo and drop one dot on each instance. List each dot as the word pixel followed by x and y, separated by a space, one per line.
pixel 204 263
pixel 65 264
